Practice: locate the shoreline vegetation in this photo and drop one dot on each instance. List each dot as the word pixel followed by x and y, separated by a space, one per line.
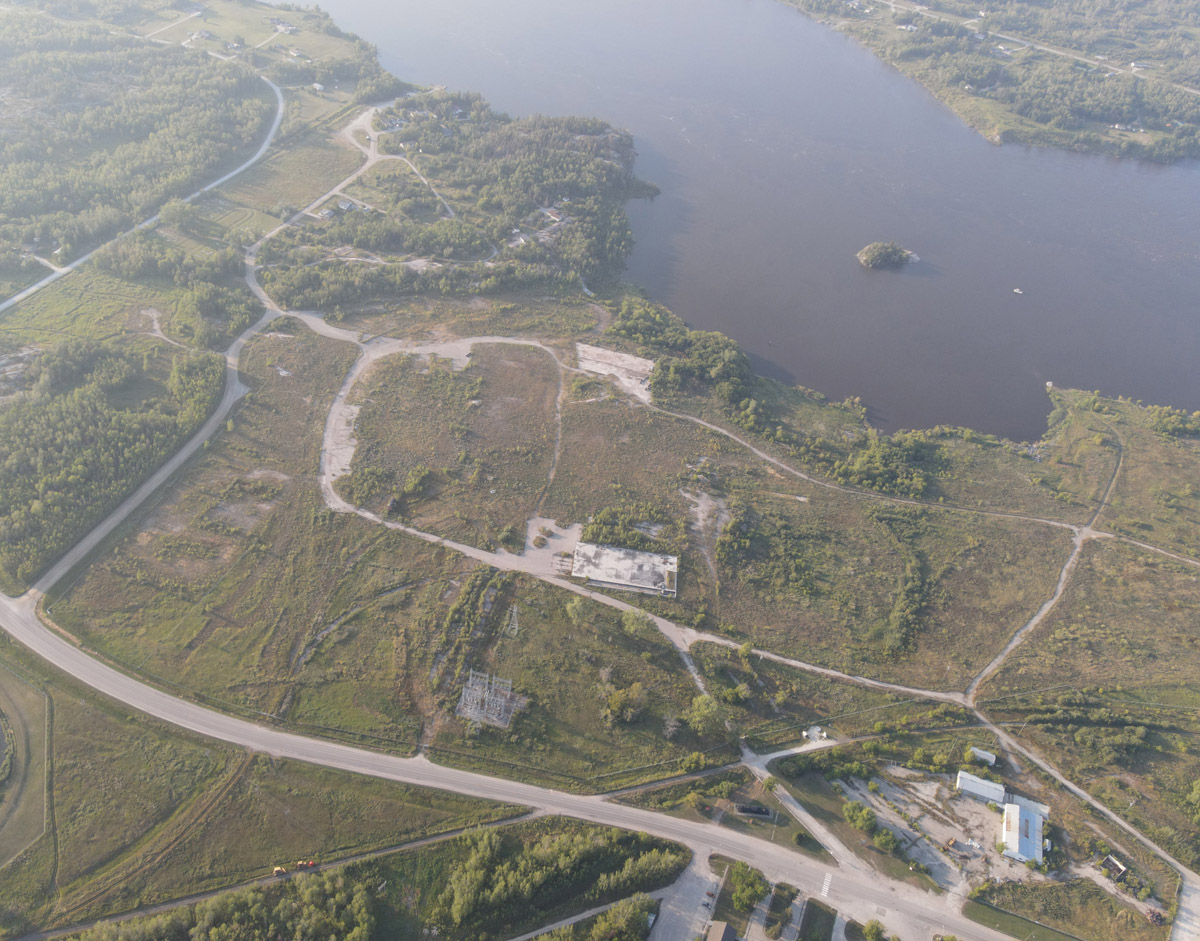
pixel 1120 79
pixel 885 255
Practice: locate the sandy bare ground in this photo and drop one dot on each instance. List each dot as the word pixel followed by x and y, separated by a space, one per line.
pixel 631 373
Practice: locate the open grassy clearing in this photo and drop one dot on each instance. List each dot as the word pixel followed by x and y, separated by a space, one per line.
pixel 463 453
pixel 24 717
pixel 541 315
pixel 818 921
pixel 1079 908
pixel 862 586
pixel 141 813
pixel 1128 616
pixel 225 585
pixel 290 178
pixel 89 304
pixel 224 590
pixel 599 699
pixel 1157 495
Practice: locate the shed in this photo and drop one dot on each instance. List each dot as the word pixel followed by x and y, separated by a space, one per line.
pixel 985 756
pixel 980 788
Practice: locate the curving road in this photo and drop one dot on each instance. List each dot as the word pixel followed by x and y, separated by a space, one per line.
pixel 857 892
pixel 67 269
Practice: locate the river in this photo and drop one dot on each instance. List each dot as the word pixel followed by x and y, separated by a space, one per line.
pixel 782 147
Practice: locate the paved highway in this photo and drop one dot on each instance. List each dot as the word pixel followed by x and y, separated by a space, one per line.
pixel 852 888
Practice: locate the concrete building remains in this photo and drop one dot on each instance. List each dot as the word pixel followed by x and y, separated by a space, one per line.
pixel 650 573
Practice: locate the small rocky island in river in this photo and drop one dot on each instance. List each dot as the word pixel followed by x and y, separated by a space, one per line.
pixel 885 255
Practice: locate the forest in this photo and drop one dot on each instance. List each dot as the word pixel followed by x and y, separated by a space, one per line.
pixel 500 172
pixel 94 423
pixel 1076 103
pixel 98 129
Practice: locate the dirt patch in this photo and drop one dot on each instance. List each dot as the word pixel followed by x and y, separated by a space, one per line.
pixel 709 516
pixel 632 373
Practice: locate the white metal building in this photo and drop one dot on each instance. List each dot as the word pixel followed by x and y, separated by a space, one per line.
pixel 650 573
pixel 1023 832
pixel 985 756
pixel 979 788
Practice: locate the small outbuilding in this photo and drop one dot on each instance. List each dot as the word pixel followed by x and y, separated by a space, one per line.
pixel 985 756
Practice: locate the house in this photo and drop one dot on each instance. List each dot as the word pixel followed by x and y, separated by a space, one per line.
pixel 317 86
pixel 979 788
pixel 345 205
pixel 720 931
pixel 1022 832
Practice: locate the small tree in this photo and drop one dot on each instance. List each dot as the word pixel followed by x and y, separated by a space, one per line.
pixel 873 930
pixel 748 886
pixel 860 816
pixel 706 717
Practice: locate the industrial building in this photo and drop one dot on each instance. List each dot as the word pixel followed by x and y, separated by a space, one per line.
pixel 650 573
pixel 979 788
pixel 1023 832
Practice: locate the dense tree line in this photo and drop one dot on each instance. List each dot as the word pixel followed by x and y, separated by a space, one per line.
pixel 102 128
pixel 687 358
pixel 494 885
pixel 310 906
pixel 83 436
pixel 1174 422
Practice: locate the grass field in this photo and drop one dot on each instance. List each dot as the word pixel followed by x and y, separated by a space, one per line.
pixel 541 315
pixel 818 921
pixel 569 665
pixel 294 176
pixel 1013 925
pixel 483 435
pixel 1077 909
pixel 24 711
pixel 224 587
pixel 89 303
pixel 140 813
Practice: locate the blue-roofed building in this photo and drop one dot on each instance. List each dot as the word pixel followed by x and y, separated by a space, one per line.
pixel 1023 832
